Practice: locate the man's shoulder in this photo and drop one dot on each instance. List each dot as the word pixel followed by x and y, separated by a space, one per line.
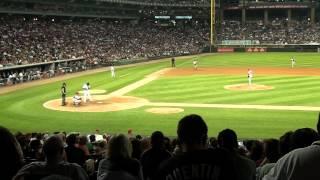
pixel 34 165
pixel 70 165
pixel 153 152
pixel 63 168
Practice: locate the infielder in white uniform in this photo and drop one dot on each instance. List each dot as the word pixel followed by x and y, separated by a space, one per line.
pixel 250 76
pixel 113 73
pixel 293 62
pixel 195 64
pixel 86 92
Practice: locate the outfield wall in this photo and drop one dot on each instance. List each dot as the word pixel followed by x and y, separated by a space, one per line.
pixel 264 48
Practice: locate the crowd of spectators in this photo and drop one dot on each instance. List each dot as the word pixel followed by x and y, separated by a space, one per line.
pixel 278 31
pixel 30 40
pixel 192 155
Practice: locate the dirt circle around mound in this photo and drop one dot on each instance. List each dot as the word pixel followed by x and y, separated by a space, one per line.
pixel 99 103
pixel 95 91
pixel 164 110
pixel 247 87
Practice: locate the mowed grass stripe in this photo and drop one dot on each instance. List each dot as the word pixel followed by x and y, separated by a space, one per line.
pixel 292 81
pixel 209 89
pixel 184 89
pixel 270 96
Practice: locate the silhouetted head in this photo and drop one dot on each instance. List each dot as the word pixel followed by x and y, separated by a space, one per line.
pixel 304 137
pixel 192 130
pixel 53 149
pixel 10 154
pixel 119 147
pixel 285 143
pixel 157 139
pixel 272 149
pixel 71 139
pixel 228 139
pixel 92 138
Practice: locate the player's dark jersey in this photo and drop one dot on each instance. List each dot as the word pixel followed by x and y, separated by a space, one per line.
pixel 199 165
pixel 63 91
pixel 173 62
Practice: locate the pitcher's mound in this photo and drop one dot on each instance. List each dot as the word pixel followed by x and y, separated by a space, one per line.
pixel 246 87
pixel 164 110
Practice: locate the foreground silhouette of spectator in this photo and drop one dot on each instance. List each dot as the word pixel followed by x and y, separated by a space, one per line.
pixel 83 145
pixel 245 168
pixel 255 151
pixel 285 143
pixel 118 165
pixel 196 161
pixel 303 137
pixel 35 147
pixel 151 159
pixel 303 162
pixel 74 154
pixel 11 156
pixel 136 148
pixel 53 165
pixel 272 154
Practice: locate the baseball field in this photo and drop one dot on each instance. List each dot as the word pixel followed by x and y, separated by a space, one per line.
pixel 153 96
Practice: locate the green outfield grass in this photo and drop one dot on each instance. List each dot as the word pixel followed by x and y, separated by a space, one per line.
pixel 22 110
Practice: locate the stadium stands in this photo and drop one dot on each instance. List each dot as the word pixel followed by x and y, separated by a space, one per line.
pixel 30 40
pixel 277 32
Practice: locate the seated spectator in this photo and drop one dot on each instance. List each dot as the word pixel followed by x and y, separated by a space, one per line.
pixel 152 158
pixel 302 162
pixel 303 137
pixel 83 145
pixel 245 167
pixel 92 140
pixel 176 147
pixel 76 99
pixel 136 148
pixel 10 154
pixel 213 142
pixel 272 154
pixel 255 151
pixel 285 143
pixel 74 154
pixel 196 161
pixel 119 164
pixel 35 150
pixel 145 144
pixel 53 165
